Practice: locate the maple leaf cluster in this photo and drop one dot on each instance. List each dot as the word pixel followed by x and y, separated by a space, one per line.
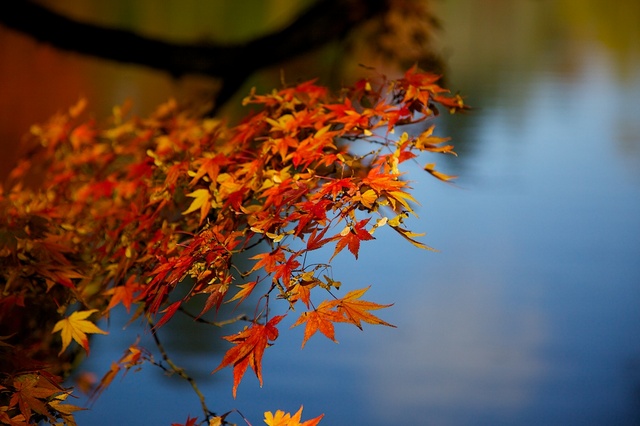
pixel 126 212
pixel 31 397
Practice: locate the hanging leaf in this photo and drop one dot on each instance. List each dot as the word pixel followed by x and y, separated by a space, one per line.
pixel 250 345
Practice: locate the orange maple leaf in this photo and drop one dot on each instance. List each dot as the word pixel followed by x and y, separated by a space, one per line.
pixel 209 167
pixel 336 187
pixel 454 103
pixel 321 319
pixel 245 292
pixel 251 343
pixel 381 181
pixel 355 311
pixel 268 260
pixel 300 291
pixel 123 293
pixel 346 114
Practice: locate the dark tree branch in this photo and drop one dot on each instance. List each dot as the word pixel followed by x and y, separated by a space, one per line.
pixel 325 21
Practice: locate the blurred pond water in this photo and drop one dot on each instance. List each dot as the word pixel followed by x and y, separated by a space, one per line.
pixel 529 313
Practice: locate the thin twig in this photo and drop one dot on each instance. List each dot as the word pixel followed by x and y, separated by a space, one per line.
pixel 180 372
pixel 241 317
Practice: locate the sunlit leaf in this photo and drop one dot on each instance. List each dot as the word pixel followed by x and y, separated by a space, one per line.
pixel 76 326
pixel 202 202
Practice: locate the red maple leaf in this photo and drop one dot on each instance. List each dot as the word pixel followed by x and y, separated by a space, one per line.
pixel 351 237
pixel 250 345
pixel 284 270
pixel 268 260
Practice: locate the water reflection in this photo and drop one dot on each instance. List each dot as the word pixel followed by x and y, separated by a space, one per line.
pixel 465 354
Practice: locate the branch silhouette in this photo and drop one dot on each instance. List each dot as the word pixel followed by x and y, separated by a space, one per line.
pixel 325 21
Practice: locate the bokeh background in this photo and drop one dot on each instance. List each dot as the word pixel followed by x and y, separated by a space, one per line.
pixel 528 314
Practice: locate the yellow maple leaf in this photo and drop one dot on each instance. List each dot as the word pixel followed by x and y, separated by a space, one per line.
pixel 75 327
pixel 401 197
pixel 368 198
pixel 201 201
pixel 216 421
pixel 285 419
pixel 279 419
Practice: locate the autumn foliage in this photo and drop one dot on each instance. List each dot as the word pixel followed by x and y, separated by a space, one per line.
pixel 126 212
